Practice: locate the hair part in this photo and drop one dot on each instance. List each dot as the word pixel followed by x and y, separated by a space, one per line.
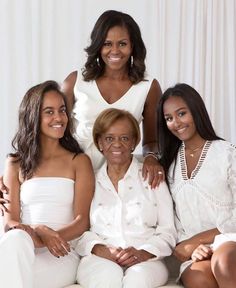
pixel 108 117
pixel 26 142
pixel 109 19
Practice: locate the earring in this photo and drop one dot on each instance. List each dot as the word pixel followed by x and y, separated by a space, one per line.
pixel 98 62
pixel 132 149
pixel 131 61
pixel 100 149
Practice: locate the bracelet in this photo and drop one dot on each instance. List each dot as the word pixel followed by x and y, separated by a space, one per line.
pixel 153 154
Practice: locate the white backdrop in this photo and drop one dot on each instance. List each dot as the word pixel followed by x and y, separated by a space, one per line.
pixel 192 41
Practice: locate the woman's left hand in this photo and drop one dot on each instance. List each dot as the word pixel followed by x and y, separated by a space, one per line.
pixel 153 171
pixel 53 241
pixel 131 256
pixel 202 252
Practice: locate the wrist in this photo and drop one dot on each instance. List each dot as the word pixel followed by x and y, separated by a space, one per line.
pixel 151 154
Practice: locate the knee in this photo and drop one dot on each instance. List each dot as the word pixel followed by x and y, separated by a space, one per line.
pixel 147 274
pixel 98 272
pixel 198 281
pixel 223 260
pixel 16 240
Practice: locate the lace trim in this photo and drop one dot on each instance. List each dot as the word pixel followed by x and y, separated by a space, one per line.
pixel 183 162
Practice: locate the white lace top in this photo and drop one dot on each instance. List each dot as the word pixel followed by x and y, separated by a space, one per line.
pixel 207 199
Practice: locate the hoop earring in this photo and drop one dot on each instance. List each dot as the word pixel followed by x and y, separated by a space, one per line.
pixel 131 61
pixel 98 61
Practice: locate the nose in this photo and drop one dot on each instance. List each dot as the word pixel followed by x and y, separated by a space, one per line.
pixel 57 116
pixel 176 122
pixel 115 48
pixel 117 142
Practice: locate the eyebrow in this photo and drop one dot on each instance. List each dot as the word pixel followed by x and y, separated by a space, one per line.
pixel 50 107
pixel 181 108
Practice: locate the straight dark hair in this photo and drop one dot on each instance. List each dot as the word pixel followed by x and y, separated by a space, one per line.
pixel 26 142
pixel 168 143
pixel 94 66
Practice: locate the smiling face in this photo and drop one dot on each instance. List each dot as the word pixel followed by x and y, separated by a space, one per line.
pixel 117 48
pixel 53 115
pixel 179 119
pixel 117 143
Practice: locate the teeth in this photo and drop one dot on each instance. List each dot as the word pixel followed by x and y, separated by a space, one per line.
pixel 115 59
pixel 57 126
pixel 116 153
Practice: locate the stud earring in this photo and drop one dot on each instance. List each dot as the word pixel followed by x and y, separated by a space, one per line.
pixel 100 149
pixel 132 149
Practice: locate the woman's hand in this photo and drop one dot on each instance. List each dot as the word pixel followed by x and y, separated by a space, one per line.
pixel 53 241
pixel 3 190
pixel 202 252
pixel 108 252
pixel 131 256
pixel 153 171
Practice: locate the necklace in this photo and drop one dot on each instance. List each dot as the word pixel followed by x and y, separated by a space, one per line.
pixel 193 151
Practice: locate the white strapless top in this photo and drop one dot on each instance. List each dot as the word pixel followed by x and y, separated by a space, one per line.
pixel 48 201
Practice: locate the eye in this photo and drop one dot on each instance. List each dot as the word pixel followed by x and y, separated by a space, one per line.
pixel 168 118
pixel 63 110
pixel 49 112
pixel 124 138
pixel 181 113
pixel 122 44
pixel 107 44
pixel 109 139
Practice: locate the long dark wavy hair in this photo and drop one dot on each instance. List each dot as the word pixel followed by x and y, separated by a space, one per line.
pixel 93 68
pixel 168 143
pixel 26 142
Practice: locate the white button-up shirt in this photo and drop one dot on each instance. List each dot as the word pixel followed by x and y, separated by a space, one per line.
pixel 135 216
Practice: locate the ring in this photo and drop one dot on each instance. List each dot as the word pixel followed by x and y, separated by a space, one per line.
pixel 135 257
pixel 159 173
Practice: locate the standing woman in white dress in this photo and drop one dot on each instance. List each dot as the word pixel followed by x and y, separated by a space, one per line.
pixel 49 195
pixel 201 172
pixel 114 77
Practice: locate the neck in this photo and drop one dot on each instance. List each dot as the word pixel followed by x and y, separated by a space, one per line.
pixel 117 172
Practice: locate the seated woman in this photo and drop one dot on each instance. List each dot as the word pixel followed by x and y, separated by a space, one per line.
pixel 201 172
pixel 48 192
pixel 132 225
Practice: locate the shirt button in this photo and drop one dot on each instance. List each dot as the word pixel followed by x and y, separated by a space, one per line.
pixel 130 187
pixel 100 204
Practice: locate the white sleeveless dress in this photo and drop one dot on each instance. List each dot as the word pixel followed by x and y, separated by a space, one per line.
pixel 48 201
pixel 89 103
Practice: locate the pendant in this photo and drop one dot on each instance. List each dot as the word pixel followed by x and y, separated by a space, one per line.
pixel 191 154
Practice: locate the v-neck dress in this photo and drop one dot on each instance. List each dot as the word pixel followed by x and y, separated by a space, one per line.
pixel 90 102
pixel 207 199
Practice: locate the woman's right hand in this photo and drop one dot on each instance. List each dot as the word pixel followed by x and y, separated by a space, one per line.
pixel 108 252
pixel 3 190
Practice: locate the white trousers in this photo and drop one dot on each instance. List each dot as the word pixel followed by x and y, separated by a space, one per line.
pixel 23 266
pixel 97 272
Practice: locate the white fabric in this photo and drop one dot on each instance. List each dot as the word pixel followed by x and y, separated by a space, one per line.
pixel 45 200
pixel 203 53
pixel 207 200
pixel 97 272
pixel 89 103
pixel 135 216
